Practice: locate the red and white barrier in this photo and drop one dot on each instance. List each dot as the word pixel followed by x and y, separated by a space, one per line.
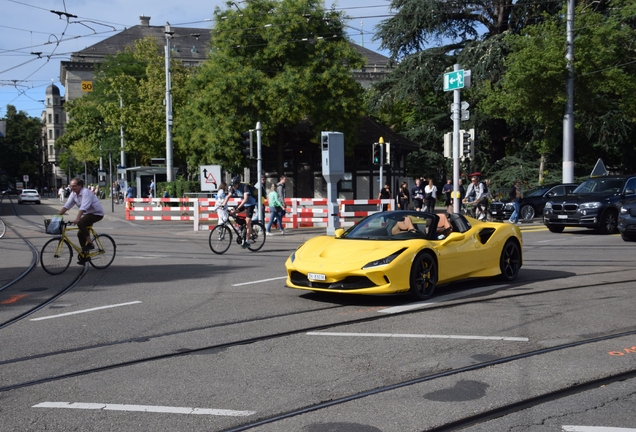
pixel 300 212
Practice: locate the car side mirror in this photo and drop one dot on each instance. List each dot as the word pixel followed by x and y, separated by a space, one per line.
pixel 339 232
pixel 629 192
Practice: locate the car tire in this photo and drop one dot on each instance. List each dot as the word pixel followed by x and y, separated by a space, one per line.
pixel 423 276
pixel 608 223
pixel 510 260
pixel 527 212
pixel 628 237
pixel 37 202
pixel 556 228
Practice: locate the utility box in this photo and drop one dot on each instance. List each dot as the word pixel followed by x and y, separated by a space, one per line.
pixel 332 144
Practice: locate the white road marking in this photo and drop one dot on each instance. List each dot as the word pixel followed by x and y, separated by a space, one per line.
pixel 147 257
pixel 439 299
pixel 596 429
pixel 423 336
pixel 85 310
pixel 259 281
pixel 144 408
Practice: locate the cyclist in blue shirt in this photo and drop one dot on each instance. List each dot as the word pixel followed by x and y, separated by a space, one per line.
pixel 247 204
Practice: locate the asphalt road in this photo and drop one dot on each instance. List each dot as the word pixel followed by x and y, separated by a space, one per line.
pixel 174 337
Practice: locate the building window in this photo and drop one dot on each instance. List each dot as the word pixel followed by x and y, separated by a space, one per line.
pixel 50 133
pixel 57 118
pixel 48 101
pixel 57 133
pixel 51 151
pixel 50 118
pixel 346 184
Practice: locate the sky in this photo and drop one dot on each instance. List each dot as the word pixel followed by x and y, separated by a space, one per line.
pixel 36 35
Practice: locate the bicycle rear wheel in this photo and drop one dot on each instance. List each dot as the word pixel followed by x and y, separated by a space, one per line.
pixel 258 236
pixel 56 256
pixel 3 228
pixel 220 239
pixel 105 253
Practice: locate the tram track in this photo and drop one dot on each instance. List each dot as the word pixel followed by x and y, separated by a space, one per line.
pixel 13 285
pixel 276 335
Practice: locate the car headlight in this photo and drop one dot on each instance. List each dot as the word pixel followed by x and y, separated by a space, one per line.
pixel 510 206
pixel 590 205
pixel 548 205
pixel 383 261
pixel 624 210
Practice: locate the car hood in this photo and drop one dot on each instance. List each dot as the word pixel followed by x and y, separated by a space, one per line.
pixel 325 249
pixel 583 198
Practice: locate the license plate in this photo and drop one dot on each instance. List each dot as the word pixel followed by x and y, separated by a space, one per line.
pixel 316 276
pixel 562 216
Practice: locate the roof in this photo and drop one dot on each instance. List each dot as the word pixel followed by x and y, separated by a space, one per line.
pixel 187 44
pixel 371 130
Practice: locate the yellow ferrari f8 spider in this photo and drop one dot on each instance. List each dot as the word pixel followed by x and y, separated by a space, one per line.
pixel 405 251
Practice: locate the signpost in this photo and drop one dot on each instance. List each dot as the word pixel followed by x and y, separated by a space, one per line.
pixel 210 176
pixel 454 80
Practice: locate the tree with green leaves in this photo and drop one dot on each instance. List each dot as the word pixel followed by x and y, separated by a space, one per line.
pixel 128 92
pixel 285 63
pixel 532 92
pixel 20 148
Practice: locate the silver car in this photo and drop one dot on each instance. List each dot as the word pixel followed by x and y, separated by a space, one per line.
pixel 29 195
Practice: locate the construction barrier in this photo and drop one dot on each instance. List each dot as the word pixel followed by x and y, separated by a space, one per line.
pixel 300 212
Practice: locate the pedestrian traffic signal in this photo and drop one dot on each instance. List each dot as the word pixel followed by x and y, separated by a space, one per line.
pixel 246 144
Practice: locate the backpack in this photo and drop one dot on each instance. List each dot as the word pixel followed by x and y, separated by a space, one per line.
pixel 484 188
pixel 253 191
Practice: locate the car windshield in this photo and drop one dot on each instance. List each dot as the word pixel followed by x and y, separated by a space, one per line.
pixel 384 226
pixel 536 192
pixel 599 186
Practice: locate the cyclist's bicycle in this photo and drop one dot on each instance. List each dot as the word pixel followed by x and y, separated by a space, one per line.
pixel 3 228
pixel 221 235
pixel 57 253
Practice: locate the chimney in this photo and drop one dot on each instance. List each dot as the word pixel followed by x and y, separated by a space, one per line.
pixel 145 21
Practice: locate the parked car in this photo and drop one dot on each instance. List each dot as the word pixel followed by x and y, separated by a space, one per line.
pixel 594 204
pixel 533 201
pixel 627 220
pixel 29 195
pixel 372 257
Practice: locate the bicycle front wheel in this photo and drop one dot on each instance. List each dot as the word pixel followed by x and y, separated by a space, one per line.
pixel 3 228
pixel 258 236
pixel 220 239
pixel 56 256
pixel 105 251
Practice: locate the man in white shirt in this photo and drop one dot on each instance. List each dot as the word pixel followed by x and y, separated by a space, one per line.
pixel 90 211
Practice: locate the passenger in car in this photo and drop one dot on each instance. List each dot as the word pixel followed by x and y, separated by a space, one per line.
pixel 444 227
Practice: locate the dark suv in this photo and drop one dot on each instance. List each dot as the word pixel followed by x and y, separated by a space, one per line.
pixel 594 204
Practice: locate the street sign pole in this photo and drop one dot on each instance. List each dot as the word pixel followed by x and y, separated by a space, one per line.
pixel 456 155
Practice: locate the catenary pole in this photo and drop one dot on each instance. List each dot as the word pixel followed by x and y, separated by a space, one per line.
pixel 568 117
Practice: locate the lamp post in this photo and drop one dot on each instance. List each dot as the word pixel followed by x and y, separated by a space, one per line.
pixel 169 33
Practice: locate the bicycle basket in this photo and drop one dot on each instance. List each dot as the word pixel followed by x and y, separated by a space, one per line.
pixel 53 226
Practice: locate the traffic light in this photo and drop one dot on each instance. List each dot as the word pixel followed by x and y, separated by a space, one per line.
pixel 246 144
pixel 377 153
pixel 387 153
pixel 467 143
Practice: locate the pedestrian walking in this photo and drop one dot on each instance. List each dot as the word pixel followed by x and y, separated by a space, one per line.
pixel 516 195
pixel 385 193
pixel 276 210
pixel 447 190
pixel 417 193
pixel 282 195
pixel 430 196
pixel 404 197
